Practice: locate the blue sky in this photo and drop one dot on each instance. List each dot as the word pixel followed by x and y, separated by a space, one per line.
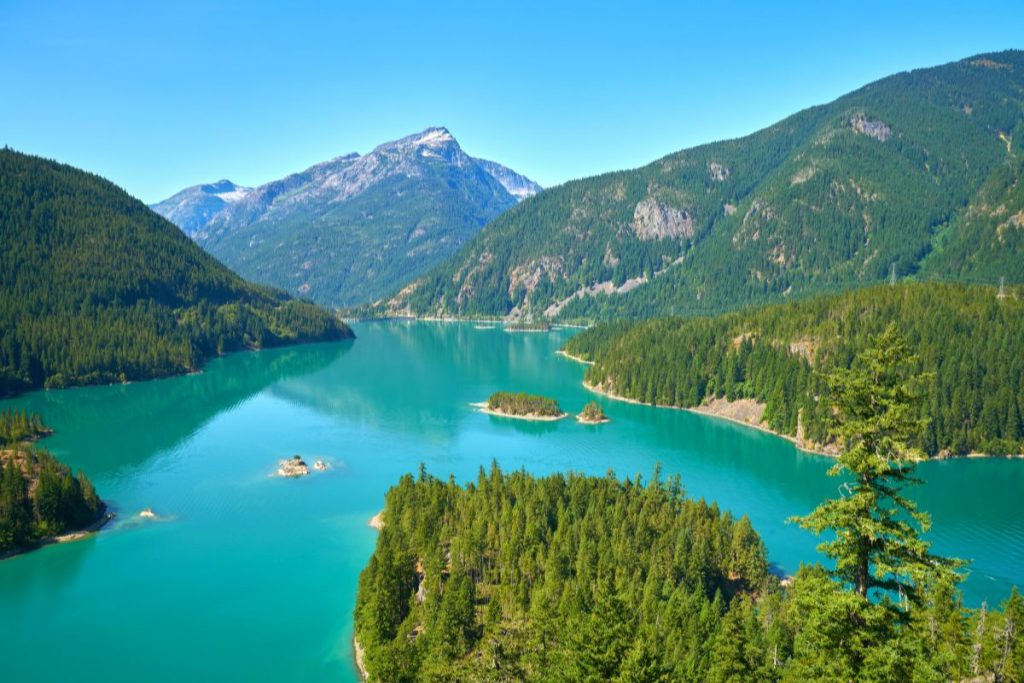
pixel 160 95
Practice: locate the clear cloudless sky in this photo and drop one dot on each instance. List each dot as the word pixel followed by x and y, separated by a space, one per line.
pixel 157 96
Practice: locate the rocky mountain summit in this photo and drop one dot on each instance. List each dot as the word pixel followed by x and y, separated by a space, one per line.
pixel 194 207
pixel 348 230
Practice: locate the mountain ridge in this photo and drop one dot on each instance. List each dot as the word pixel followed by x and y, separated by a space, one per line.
pixel 348 229
pixel 833 196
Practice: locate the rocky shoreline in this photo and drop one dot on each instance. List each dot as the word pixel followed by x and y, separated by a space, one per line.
pixel 710 410
pixel 704 410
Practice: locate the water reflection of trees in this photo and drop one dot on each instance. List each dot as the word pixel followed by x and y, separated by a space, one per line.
pixel 104 428
pixel 418 378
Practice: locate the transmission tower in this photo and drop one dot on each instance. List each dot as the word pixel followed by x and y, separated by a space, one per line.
pixel 892 276
pixel 1002 287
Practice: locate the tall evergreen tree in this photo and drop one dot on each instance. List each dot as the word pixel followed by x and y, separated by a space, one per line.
pixel 877 542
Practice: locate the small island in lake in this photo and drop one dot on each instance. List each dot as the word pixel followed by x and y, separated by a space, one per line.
pixel 41 500
pixel 294 466
pixel 593 414
pixel 521 406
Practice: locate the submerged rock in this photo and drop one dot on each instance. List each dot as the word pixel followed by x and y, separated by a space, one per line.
pixel 321 466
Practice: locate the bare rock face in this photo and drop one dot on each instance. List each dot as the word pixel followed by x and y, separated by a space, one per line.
pixel 653 220
pixel 878 130
pixel 528 276
pixel 718 172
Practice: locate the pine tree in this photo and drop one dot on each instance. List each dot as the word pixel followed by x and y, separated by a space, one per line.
pixel 878 542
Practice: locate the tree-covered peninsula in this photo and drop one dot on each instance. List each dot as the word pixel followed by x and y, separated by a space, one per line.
pixel 95 287
pixel 968 341
pixel 574 578
pixel 40 498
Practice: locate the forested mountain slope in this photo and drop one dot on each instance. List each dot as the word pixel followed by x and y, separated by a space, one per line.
pixel 969 339
pixel 919 172
pixel 351 229
pixel 95 287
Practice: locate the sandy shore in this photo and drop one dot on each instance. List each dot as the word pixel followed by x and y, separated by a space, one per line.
pixel 360 660
pixel 63 538
pixel 482 408
pixel 584 421
pixel 563 354
pixel 83 533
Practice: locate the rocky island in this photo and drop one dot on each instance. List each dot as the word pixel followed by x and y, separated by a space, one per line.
pixel 521 406
pixel 294 466
pixel 593 414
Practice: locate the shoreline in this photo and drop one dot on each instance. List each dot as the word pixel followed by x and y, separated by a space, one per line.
pixel 482 408
pixel 700 410
pixel 576 359
pixel 360 659
pixel 501 322
pixel 69 537
pixel 767 430
pixel 377 521
pixel 708 413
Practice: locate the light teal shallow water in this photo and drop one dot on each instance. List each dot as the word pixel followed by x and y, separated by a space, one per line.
pixel 253 577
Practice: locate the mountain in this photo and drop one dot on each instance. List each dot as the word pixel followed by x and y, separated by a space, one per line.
pixel 918 173
pixel 95 287
pixel 192 208
pixel 519 186
pixel 767 366
pixel 349 230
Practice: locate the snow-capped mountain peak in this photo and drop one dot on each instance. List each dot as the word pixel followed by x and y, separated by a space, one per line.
pixel 434 137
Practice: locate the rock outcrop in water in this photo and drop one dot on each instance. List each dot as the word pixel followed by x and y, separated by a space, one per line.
pixel 294 466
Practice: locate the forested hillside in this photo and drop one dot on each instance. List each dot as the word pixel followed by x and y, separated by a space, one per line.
pixel 917 173
pixel 970 341
pixel 574 578
pixel 95 287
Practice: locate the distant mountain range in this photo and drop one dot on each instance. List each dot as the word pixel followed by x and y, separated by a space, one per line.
pixel 918 174
pixel 96 288
pixel 351 229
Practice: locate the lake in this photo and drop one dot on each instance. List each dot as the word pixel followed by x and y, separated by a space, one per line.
pixel 246 576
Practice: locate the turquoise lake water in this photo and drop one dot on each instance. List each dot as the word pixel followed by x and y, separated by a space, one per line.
pixel 251 577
